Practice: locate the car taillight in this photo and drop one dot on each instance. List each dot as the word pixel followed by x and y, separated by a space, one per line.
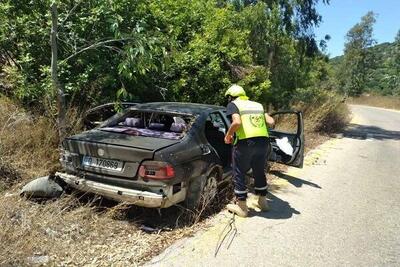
pixel 156 170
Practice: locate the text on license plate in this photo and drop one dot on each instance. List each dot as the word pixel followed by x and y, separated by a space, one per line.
pixel 108 164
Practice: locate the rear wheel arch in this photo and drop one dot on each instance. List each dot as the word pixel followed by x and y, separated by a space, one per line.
pixel 217 169
pixel 197 184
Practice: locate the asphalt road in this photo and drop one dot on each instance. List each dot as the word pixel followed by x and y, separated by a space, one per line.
pixel 341 209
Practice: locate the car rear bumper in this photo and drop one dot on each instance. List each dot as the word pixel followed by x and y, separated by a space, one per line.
pixel 132 196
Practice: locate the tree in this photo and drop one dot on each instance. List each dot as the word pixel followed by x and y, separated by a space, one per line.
pixel 282 40
pixel 173 50
pixel 61 109
pixel 358 59
pixel 395 66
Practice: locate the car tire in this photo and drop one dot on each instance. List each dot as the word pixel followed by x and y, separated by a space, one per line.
pixel 202 191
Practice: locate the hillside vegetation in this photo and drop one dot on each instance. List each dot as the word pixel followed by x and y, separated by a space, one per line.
pixel 366 67
pixel 383 76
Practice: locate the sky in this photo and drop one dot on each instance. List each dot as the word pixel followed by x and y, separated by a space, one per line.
pixel 340 15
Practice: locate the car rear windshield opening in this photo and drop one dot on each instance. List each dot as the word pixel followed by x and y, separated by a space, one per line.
pixel 151 124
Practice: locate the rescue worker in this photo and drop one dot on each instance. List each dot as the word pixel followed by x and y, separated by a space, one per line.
pixel 249 135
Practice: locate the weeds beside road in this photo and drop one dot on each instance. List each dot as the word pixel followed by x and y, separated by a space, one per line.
pixel 390 102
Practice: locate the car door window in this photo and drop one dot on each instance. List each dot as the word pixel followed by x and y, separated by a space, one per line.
pixel 218 122
pixel 215 129
pixel 288 133
pixel 286 122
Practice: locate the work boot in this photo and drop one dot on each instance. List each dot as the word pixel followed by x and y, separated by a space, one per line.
pixel 259 203
pixel 240 208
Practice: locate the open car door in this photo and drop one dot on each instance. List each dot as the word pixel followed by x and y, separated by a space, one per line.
pixel 287 138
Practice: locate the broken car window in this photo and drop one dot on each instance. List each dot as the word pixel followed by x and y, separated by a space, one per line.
pixel 151 124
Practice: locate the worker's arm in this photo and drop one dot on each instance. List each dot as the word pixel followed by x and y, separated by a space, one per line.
pixel 236 122
pixel 269 120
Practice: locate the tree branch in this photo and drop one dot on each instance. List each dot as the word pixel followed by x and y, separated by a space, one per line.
pixel 95 45
pixel 69 13
pixel 116 49
pixel 9 57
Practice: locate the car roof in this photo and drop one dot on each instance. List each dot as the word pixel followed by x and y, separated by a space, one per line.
pixel 179 107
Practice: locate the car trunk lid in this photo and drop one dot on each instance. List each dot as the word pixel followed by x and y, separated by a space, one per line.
pixel 106 149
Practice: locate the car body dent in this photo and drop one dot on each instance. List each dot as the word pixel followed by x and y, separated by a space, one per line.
pixel 164 199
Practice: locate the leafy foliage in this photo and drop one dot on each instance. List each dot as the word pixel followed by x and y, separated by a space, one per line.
pixel 357 58
pixel 383 77
pixel 144 50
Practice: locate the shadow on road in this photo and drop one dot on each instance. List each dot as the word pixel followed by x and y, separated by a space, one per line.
pixel 363 132
pixel 280 209
pixel 297 182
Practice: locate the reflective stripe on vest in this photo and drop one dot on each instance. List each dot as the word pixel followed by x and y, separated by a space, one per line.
pixel 253 119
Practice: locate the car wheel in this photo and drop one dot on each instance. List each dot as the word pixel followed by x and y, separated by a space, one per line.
pixel 201 192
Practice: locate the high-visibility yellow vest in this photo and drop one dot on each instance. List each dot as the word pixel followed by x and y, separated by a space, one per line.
pixel 253 119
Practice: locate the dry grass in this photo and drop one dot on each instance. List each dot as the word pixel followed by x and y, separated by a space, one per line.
pixel 76 233
pixel 390 102
pixel 28 144
pixel 321 120
pixel 326 118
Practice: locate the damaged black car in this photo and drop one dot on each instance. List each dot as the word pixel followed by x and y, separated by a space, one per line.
pixel 161 154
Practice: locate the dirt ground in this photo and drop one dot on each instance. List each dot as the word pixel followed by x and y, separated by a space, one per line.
pixel 85 230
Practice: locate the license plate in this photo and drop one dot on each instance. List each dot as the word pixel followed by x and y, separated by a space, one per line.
pixel 113 165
